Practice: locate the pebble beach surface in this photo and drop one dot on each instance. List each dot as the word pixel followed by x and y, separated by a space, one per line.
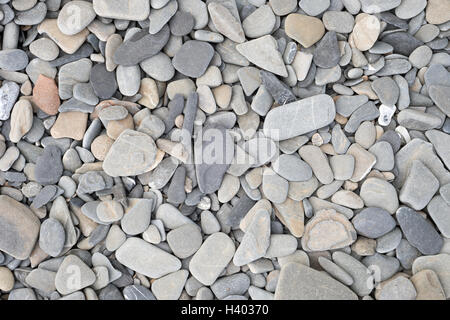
pixel 224 149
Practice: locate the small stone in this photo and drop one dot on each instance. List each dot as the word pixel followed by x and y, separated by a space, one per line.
pixel 419 187
pixel 52 237
pixel 21 228
pixel 379 193
pixel 314 8
pixel 342 166
pixel 226 22
pixel 419 232
pixel 13 59
pixel 70 125
pixel 285 122
pixel 136 145
pixel 304 29
pixel 81 11
pixel 185 240
pixel 69 265
pixel 146 259
pixel 338 21
pixel 438 211
pixel 260 23
pixel 299 282
pixel 427 285
pixel 327 53
pixel 121 9
pixel 399 288
pixel 140 46
pixel 328 230
pixel 136 216
pixel 384 154
pixel 410 8
pixel 6 279
pixel 44 49
pixel 362 277
pixel 373 222
pixel 193 58
pixel 68 44
pixel 21 120
pixel 256 240
pixel 8 96
pixel 45 95
pixel 318 161
pixel 421 56
pixel 49 167
pixel 387 90
pixel 366 31
pixel 263 52
pixel 437 12
pixel 274 186
pixel 170 286
pixel 213 256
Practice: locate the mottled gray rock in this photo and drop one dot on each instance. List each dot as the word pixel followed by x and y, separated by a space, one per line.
pixel 52 237
pixel 327 53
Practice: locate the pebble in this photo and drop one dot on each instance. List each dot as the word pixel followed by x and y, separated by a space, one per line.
pixel 338 230
pixel 52 237
pixel 213 256
pixel 436 263
pixel 65 271
pixel 185 240
pixel 193 58
pixel 132 145
pixel 263 52
pixel 109 122
pixel 81 11
pixel 312 117
pixel 379 193
pixel 121 9
pixel 373 222
pixel 299 282
pixel 304 29
pixel 9 91
pixel 419 232
pixel 146 259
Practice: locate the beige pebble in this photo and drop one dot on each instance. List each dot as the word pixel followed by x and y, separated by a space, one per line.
pixel 149 92
pixel 222 95
pixel 69 44
pixel 21 120
pixel 70 125
pixel 115 127
pixel 6 279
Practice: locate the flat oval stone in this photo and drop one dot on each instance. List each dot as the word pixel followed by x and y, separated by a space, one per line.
pixel 373 222
pixel 146 258
pixel 213 256
pixel 410 8
pixel 419 232
pixel 49 166
pixel 299 117
pixel 193 58
pixel 13 59
pixel 19 228
pixel 292 168
pixel 102 81
pixel 379 193
pixel 52 237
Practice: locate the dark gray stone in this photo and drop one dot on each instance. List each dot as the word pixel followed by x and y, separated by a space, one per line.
pixel 49 166
pixel 419 232
pixel 103 82
pixel 193 58
pixel 141 46
pixel 327 53
pixel 373 222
